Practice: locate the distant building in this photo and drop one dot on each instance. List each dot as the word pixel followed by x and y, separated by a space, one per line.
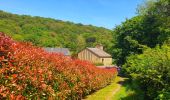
pixel 64 51
pixel 96 55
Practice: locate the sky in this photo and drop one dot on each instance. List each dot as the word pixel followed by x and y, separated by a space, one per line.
pixel 102 13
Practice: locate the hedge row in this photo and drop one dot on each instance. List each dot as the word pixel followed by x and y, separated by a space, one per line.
pixel 28 72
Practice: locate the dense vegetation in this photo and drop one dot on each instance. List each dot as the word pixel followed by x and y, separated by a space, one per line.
pixel 152 70
pixel 142 47
pixel 47 32
pixel 149 28
pixel 28 72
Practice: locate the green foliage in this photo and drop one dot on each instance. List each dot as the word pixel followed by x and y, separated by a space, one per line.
pixel 152 70
pixel 142 48
pixel 130 36
pixel 99 64
pixel 149 28
pixel 47 32
pixel 129 90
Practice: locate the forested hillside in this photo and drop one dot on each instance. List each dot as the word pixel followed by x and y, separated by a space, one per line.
pixel 47 32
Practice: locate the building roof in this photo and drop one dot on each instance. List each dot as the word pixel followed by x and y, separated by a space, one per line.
pixel 99 52
pixel 64 51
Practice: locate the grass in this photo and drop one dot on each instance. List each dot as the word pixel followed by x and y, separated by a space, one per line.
pixel 104 93
pixel 129 91
pixel 119 89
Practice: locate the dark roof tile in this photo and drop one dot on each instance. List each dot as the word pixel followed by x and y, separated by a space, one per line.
pixel 64 51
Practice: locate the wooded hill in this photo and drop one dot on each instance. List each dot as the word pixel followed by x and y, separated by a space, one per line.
pixel 48 32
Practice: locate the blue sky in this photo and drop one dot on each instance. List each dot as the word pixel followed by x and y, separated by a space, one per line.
pixel 105 13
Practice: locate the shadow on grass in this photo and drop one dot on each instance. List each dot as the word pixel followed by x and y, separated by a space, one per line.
pixel 132 90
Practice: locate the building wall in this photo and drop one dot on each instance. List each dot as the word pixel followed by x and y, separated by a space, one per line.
pixel 87 55
pixel 106 61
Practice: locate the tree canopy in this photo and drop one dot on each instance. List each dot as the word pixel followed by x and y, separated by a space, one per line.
pixel 47 32
pixel 142 47
pixel 148 29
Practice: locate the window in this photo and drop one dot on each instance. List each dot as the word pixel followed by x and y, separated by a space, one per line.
pixel 102 60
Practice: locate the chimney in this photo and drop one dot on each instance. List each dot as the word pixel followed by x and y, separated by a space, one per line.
pixel 99 46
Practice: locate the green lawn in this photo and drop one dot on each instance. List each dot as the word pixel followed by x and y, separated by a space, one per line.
pixel 128 91
pixel 106 92
pixel 119 89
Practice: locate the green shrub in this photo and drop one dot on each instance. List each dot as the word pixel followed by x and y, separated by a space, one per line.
pixel 152 70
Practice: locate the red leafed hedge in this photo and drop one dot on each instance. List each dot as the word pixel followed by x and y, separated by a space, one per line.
pixel 28 72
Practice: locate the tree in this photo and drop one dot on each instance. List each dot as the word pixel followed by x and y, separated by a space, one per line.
pixel 152 71
pixel 48 32
pixel 149 28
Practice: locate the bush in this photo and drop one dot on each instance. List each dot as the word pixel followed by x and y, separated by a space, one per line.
pixel 28 72
pixel 152 70
pixel 99 64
